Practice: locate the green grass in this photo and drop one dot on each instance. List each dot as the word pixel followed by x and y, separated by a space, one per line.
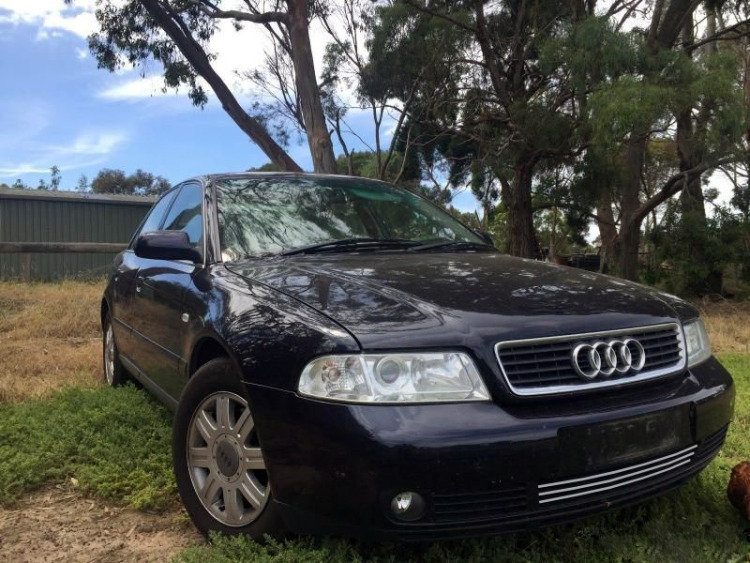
pixel 114 442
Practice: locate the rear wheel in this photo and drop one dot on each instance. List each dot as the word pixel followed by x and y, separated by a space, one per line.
pixel 218 461
pixel 114 371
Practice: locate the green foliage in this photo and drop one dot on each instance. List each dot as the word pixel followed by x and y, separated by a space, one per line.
pixel 83 184
pixel 55 178
pixel 110 181
pixel 115 442
pixel 724 238
pixel 129 35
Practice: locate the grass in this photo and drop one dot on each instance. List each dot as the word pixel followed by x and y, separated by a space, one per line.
pixel 728 325
pixel 58 422
pixel 111 442
pixel 50 338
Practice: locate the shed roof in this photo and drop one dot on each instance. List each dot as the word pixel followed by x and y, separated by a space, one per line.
pixel 65 195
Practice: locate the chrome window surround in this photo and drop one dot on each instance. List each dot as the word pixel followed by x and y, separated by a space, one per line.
pixel 587 386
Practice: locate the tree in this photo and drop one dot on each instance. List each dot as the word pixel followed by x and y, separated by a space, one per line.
pixel 55 178
pixel 498 102
pixel 176 34
pixel 109 181
pixel 634 89
pixel 83 184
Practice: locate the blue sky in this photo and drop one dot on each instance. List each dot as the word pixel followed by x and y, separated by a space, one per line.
pixel 59 109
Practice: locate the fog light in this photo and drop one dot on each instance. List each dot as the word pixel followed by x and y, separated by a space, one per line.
pixel 407 506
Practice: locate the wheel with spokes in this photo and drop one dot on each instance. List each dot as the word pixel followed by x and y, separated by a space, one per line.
pixel 114 371
pixel 221 473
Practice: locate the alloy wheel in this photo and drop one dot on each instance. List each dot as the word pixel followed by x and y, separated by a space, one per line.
pixel 224 460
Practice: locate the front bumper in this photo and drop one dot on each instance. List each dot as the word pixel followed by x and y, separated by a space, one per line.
pixel 482 468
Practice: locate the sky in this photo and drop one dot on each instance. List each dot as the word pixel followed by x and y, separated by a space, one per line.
pixel 59 109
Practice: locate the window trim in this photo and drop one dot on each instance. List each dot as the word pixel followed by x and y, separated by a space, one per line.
pixel 201 187
pixel 138 230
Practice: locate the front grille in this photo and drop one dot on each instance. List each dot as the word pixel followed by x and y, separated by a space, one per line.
pixel 544 366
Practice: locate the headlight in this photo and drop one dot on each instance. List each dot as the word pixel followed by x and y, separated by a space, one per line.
pixel 696 339
pixel 394 378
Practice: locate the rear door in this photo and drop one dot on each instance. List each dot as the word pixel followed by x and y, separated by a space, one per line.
pixel 160 286
pixel 123 282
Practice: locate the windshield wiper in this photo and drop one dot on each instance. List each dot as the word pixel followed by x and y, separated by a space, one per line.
pixel 453 244
pixel 350 244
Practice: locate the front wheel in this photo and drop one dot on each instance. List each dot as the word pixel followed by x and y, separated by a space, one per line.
pixel 218 461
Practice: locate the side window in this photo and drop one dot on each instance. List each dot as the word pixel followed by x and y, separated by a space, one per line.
pixel 186 214
pixel 154 217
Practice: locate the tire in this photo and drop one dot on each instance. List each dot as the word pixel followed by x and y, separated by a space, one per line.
pixel 114 372
pixel 217 457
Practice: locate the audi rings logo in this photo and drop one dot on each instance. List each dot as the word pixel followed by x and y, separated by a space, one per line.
pixel 602 359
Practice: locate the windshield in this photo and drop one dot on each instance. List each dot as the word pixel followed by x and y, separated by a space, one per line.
pixel 271 215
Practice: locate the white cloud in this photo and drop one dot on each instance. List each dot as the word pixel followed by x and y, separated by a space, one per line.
pixel 135 88
pixel 52 16
pixel 87 149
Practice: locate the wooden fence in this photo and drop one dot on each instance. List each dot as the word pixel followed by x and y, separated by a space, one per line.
pixel 26 249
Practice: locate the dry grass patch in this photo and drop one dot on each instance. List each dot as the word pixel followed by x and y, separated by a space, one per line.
pixel 50 337
pixel 728 324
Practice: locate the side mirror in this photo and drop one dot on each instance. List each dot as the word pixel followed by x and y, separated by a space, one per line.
pixel 166 245
pixel 484 236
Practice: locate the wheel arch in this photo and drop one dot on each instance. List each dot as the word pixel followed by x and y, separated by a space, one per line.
pixel 103 311
pixel 209 347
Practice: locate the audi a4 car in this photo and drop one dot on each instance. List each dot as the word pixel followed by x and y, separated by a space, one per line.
pixel 343 357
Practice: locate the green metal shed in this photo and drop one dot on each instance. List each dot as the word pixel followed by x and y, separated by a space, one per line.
pixel 62 216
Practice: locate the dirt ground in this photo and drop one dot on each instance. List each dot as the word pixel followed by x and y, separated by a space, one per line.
pixel 56 524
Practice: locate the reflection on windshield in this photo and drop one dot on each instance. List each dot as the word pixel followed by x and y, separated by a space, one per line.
pixel 261 216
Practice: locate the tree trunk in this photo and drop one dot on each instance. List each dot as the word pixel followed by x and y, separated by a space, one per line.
pixel 607 233
pixel 698 273
pixel 627 245
pixel 318 137
pixel 629 239
pixel 520 213
pixel 196 56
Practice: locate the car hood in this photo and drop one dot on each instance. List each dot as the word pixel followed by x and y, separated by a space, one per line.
pixel 400 300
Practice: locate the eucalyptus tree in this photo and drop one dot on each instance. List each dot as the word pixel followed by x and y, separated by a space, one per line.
pixel 497 103
pixel 176 34
pixel 641 87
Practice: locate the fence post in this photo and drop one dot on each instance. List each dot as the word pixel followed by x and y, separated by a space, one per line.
pixel 26 267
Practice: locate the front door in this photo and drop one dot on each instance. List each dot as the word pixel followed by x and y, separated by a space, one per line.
pixel 159 305
pixel 124 280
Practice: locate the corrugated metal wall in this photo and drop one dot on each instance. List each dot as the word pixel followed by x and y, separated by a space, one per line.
pixel 26 218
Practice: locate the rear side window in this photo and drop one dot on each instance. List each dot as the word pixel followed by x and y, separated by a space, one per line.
pixel 186 214
pixel 155 216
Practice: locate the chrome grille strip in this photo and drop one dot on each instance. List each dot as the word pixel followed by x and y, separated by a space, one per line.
pixel 542 366
pixel 631 478
pixel 651 468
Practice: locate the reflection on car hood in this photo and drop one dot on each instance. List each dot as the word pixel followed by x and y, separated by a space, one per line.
pixel 438 299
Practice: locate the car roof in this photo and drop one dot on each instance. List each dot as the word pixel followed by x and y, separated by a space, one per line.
pixel 260 175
